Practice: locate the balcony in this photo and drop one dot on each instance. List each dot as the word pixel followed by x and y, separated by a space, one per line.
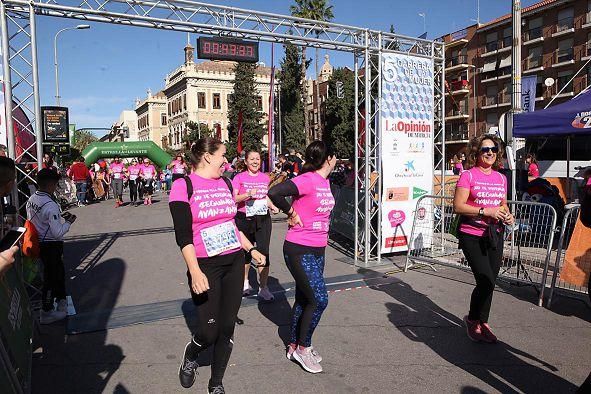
pixel 564 26
pixel 585 53
pixel 457 134
pixel 564 57
pixel 586 22
pixel 458 87
pixel 458 113
pixel 457 63
pixel 490 102
pixel 505 44
pixel 533 64
pixel 534 35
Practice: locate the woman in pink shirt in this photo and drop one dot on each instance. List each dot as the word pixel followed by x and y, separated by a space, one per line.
pixel 481 200
pixel 203 210
pixel 117 171
pixel 178 167
pixel 133 172
pixel 304 247
pixel 147 174
pixel 253 218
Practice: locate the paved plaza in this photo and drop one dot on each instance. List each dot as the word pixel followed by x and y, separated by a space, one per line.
pixel 384 330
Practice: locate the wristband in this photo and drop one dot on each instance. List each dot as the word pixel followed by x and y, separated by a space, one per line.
pixel 481 212
pixel 251 249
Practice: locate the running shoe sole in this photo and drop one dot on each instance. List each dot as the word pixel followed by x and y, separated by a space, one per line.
pixel 181 367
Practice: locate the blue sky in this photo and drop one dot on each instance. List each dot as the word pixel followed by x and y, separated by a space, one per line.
pixel 103 69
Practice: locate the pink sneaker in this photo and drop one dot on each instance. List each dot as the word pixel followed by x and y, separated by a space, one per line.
pixel 487 332
pixel 474 330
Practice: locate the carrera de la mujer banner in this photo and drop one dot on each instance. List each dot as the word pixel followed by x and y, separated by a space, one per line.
pixel 406 146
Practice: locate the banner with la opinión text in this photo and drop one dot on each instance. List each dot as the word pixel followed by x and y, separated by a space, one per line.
pixel 406 148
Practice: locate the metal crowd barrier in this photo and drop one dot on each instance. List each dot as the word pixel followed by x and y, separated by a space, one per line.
pixel 567 228
pixel 527 244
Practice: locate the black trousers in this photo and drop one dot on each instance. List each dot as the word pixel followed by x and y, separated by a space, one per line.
pixel 257 229
pixel 485 260
pixel 217 310
pixel 133 189
pixel 54 275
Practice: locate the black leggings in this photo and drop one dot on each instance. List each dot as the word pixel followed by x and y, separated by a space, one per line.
pixel 54 274
pixel 257 230
pixel 133 189
pixel 485 260
pixel 306 264
pixel 217 310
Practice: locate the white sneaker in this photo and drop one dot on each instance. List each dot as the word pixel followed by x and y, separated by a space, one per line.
pixel 307 360
pixel 265 294
pixel 48 317
pixel 246 289
pixel 62 306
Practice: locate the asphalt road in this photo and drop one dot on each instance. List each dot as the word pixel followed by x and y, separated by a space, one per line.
pixel 400 332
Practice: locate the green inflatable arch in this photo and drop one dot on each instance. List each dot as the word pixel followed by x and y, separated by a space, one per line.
pixel 101 150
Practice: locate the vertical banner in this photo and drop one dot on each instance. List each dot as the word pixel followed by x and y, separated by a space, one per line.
pixel 271 125
pixel 406 146
pixel 528 93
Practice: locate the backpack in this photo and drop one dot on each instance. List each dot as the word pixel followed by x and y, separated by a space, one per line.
pixel 30 247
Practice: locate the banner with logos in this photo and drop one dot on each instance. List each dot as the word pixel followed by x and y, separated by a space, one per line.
pixel 528 93
pixel 406 146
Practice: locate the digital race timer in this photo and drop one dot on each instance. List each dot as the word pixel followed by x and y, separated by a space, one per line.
pixel 218 48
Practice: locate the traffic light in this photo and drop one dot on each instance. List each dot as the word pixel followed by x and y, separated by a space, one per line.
pixel 340 89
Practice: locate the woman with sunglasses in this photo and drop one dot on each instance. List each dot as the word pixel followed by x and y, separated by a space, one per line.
pixel 481 200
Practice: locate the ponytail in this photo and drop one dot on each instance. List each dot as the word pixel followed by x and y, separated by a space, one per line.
pixel 316 154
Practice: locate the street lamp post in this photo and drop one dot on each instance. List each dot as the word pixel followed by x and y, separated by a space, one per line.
pixel 57 86
pixel 424 16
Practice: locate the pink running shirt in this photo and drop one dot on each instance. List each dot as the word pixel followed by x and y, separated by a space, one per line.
pixel 244 182
pixel 213 209
pixel 117 170
pixel 486 191
pixel 134 171
pixel 313 205
pixel 533 170
pixel 178 167
pixel 147 171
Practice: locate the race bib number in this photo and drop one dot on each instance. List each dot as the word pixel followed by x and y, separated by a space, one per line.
pixel 179 170
pixel 256 207
pixel 132 177
pixel 220 238
pixel 117 175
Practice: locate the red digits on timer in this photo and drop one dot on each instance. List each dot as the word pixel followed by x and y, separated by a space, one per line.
pixel 241 50
pixel 250 51
pixel 206 47
pixel 233 49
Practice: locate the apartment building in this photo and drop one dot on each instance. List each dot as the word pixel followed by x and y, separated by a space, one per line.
pixel 556 42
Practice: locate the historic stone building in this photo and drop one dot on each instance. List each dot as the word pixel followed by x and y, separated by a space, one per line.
pixel 151 117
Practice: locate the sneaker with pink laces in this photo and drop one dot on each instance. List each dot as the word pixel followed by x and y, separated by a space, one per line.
pixel 487 332
pixel 474 330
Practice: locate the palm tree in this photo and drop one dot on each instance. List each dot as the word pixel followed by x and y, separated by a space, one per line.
pixel 318 10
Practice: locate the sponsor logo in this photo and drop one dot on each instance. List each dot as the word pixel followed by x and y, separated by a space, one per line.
pixel 582 120
pixel 397 194
pixel 417 192
pixel 394 242
pixel 409 166
pixel 421 213
pixel 416 147
pixel 412 129
pixel 396 218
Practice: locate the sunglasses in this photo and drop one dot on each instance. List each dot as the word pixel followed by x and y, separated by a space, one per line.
pixel 487 149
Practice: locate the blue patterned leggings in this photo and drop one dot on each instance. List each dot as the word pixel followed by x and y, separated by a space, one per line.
pixel 306 264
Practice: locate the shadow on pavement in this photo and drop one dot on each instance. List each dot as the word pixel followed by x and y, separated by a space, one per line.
pixel 81 363
pixel 500 366
pixel 277 312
